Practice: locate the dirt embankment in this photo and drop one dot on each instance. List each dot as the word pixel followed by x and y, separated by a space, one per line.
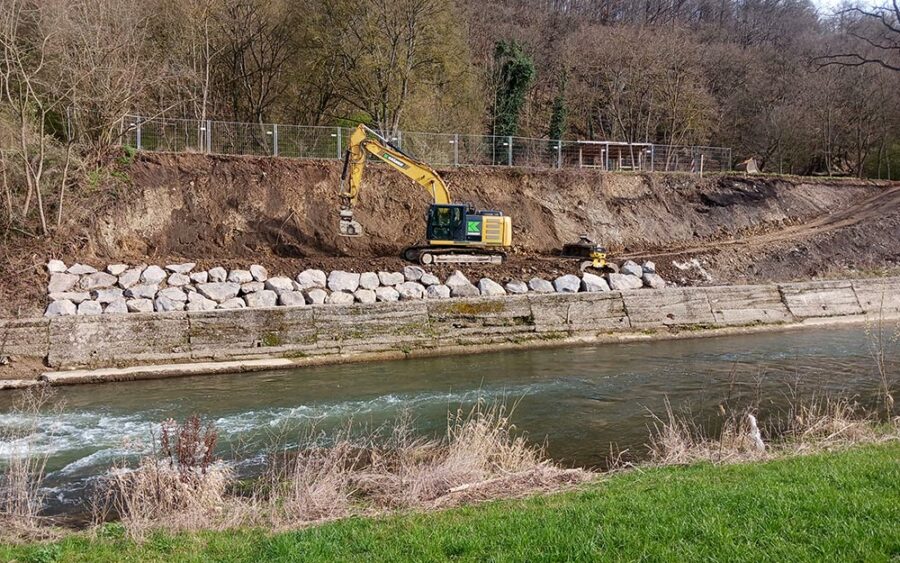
pixel 283 214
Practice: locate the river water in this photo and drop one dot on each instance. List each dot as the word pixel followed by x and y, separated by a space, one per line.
pixel 576 400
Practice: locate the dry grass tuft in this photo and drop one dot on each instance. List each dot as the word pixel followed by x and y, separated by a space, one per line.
pixel 182 487
pixel 826 424
pixel 678 440
pixel 820 424
pixel 23 470
pixel 178 487
pixel 481 451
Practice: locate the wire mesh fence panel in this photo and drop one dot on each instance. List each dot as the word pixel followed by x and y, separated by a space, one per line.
pixel 310 142
pixel 167 135
pixel 437 149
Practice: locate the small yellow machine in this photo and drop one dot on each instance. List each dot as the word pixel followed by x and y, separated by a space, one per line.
pixel 454 233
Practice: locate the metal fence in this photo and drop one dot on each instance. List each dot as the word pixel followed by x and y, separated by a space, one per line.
pixel 437 149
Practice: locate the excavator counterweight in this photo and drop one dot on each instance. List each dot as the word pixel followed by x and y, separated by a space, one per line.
pixel 454 233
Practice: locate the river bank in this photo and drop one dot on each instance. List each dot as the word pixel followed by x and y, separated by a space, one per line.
pixel 255 339
pixel 834 505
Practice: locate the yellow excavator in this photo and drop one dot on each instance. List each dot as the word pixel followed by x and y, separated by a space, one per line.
pixel 454 233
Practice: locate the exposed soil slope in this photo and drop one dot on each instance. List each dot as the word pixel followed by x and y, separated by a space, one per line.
pixel 283 214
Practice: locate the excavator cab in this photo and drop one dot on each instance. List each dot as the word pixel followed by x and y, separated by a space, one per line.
pixel 446 222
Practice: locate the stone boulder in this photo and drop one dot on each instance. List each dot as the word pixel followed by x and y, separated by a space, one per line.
pixel 199 277
pixel 90 308
pixel 264 298
pixel 411 290
pixel 429 279
pixel 142 291
pixel 153 275
pixel 178 280
pixel 316 296
pixel 488 287
pixel 460 286
pixel 130 277
pixel 116 269
pixel 292 299
pixel 219 292
pixel 181 268
pixel 233 303
pixel 339 280
pixel 516 287
pixel 73 296
pixel 56 266
pixel 311 279
pixel 631 268
pixel 390 278
pixel 81 269
pixel 648 267
pixel 61 308
pixel 259 273
pixel 364 295
pixel 197 302
pixel 340 298
pixel 240 276
pixel 387 294
pixel 173 293
pixel 567 284
pixel 139 305
pixel 164 304
pixel 653 281
pixel 106 296
pixel 280 284
pixel 217 274
pixel 539 285
pixel 592 283
pixel 624 282
pixel 368 280
pixel 117 307
pixel 413 273
pixel 60 283
pixel 252 287
pixel 97 280
pixel 439 291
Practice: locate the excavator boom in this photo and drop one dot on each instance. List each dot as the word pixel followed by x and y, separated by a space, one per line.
pixel 365 141
pixel 455 233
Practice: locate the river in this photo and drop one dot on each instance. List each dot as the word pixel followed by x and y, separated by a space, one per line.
pixel 576 400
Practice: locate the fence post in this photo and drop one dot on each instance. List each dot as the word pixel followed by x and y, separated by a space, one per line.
pixel 209 136
pixel 559 153
pixel 137 133
pixel 339 144
pixel 701 165
pixel 509 150
pixel 652 156
pixel 274 139
pixel 456 149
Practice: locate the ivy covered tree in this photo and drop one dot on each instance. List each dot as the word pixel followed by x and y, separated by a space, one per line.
pixel 515 73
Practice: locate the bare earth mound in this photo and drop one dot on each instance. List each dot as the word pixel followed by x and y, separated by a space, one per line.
pixel 282 213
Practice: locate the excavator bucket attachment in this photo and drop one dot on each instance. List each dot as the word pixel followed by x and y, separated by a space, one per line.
pixel 348 227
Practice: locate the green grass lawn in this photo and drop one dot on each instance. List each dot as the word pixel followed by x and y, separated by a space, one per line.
pixel 838 507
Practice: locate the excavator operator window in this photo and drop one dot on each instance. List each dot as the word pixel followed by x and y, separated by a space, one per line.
pixel 445 222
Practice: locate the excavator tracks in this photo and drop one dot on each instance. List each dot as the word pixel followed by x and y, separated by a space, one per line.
pixel 430 255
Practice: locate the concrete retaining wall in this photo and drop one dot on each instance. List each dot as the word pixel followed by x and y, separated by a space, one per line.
pixel 329 331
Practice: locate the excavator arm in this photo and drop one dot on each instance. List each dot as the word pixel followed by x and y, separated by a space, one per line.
pixel 364 142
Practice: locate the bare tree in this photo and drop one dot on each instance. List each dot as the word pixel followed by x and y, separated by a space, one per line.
pixel 33 91
pixel 386 46
pixel 876 32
